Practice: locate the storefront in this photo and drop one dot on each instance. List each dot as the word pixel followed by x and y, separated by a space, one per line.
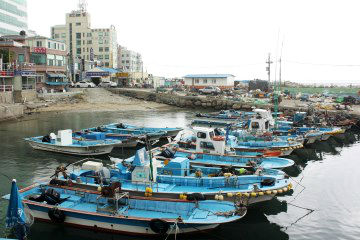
pixel 96 75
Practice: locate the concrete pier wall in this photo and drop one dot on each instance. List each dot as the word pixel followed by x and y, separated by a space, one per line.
pixel 11 111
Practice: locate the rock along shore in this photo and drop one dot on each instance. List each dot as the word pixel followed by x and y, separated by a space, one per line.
pixel 212 102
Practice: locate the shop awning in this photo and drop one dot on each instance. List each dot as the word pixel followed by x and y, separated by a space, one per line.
pixel 53 75
pixel 57 83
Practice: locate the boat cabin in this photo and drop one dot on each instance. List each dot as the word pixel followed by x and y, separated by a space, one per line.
pixel 209 142
pixel 261 122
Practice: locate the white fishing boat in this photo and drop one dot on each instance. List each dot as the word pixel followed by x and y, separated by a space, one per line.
pixel 66 144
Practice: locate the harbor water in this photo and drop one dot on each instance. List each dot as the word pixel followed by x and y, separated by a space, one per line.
pixel 325 203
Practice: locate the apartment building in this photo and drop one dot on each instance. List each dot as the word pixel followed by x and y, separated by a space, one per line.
pixel 13 17
pixel 86 45
pixel 129 61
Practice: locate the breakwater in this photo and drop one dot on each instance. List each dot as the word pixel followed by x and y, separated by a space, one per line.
pixel 211 102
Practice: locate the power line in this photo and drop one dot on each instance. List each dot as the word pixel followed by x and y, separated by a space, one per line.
pixel 323 64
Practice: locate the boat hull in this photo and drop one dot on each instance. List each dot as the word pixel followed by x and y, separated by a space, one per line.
pixel 101 222
pixel 127 144
pixel 325 137
pixel 80 151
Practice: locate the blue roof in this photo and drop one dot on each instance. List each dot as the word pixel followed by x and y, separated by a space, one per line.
pixel 208 75
pixel 110 70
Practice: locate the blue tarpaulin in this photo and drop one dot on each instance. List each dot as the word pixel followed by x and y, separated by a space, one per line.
pixel 15 213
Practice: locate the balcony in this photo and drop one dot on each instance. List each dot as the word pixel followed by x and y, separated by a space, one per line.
pixel 6 88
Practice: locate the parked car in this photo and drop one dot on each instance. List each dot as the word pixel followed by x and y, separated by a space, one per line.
pixel 84 84
pixel 210 90
pixel 107 83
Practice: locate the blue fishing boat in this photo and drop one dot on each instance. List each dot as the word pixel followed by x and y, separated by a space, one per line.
pixel 226 115
pixel 170 132
pixel 229 161
pixel 213 141
pixel 65 143
pixel 125 140
pixel 140 175
pixel 113 210
pixel 141 135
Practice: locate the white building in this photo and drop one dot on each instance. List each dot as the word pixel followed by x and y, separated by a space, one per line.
pixel 13 17
pixel 86 44
pixel 129 61
pixel 222 81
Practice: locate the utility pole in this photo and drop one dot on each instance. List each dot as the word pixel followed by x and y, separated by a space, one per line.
pixel 280 74
pixel 268 67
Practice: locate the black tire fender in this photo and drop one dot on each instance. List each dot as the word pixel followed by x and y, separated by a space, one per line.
pixel 196 197
pixel 56 215
pixel 159 226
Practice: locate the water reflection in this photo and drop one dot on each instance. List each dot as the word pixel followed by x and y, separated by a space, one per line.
pixel 316 166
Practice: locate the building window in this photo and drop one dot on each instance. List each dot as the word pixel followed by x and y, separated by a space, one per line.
pixel 89 42
pixel 106 33
pixel 88 34
pixel 123 61
pixel 106 49
pixel 213 81
pixel 63 35
pixel 106 56
pixel 106 64
pixel 38 59
pixel 196 80
pixel 21 58
pixel 101 49
pixel 204 80
pixel 78 24
pixel 56 35
pixel 38 43
pixel 49 46
pixel 78 51
pixel 78 35
pixel 78 42
pixel 100 57
pixel 60 60
pixel 101 41
pixel 127 61
pixel 100 34
pixel 63 47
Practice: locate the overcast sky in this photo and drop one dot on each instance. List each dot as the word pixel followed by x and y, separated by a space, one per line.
pixel 320 38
